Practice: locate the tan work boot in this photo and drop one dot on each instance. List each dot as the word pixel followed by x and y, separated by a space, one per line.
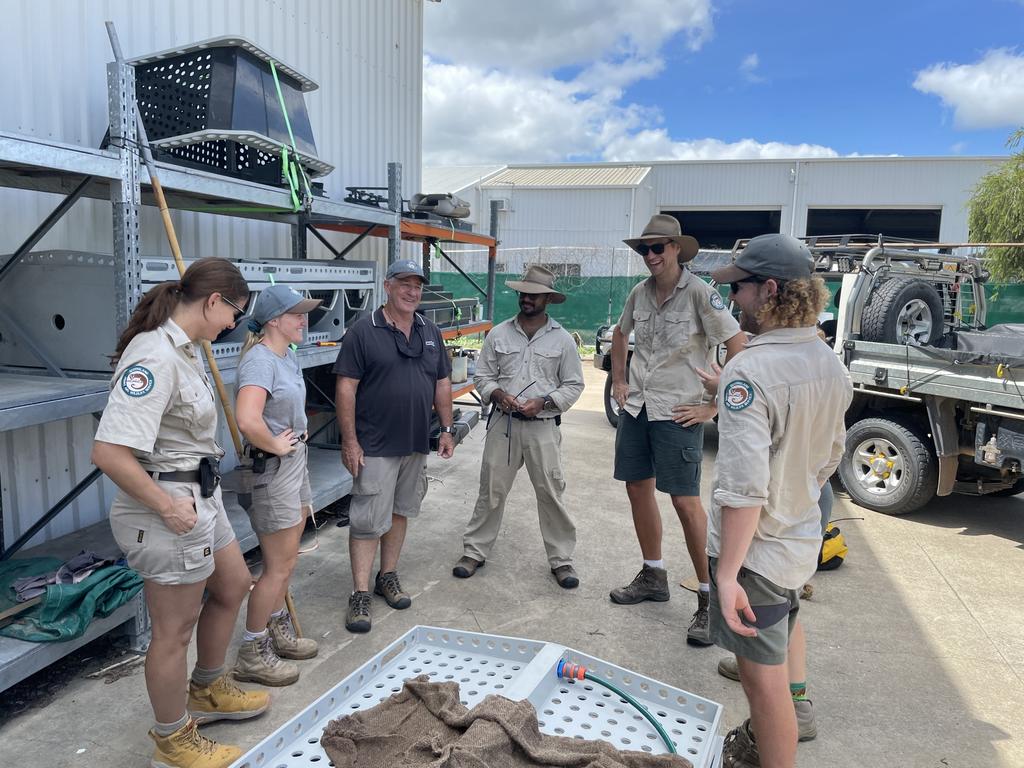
pixel 286 643
pixel 649 584
pixel 257 663
pixel 223 700
pixel 187 748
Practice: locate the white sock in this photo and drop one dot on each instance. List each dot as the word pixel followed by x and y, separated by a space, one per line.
pixel 704 587
pixel 279 614
pixel 248 637
pixel 654 563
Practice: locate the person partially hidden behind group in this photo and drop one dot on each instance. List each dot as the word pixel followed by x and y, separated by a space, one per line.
pixel 271 410
pixel 156 441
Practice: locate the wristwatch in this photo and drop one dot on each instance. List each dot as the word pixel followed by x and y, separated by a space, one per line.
pixel 549 403
pixel 449 429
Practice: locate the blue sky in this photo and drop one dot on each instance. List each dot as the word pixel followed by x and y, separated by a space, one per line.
pixel 571 80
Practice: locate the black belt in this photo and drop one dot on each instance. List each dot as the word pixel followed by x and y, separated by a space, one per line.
pixel 517 415
pixel 184 476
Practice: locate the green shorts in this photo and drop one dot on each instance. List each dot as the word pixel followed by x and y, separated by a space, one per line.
pixel 664 450
pixel 776 609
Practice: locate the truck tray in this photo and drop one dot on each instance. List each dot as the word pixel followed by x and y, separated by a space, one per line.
pixel 514 668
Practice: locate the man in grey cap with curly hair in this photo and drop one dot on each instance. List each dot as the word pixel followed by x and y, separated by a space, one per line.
pixel 677 320
pixel 781 433
pixel 530 369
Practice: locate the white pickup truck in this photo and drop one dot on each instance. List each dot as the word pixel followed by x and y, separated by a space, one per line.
pixel 938 402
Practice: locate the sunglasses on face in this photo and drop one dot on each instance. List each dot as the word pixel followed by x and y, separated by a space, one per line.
pixel 757 280
pixel 239 312
pixel 657 249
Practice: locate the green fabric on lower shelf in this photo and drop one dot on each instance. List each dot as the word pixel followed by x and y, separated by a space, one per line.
pixel 66 609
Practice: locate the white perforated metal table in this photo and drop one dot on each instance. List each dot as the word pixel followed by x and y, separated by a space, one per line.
pixel 515 668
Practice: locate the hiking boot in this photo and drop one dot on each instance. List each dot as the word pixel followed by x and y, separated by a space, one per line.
pixel 566 576
pixel 286 643
pixel 740 749
pixel 223 700
pixel 388 587
pixel 807 729
pixel 730 668
pixel 649 584
pixel 187 748
pixel 358 618
pixel 466 567
pixel 699 633
pixel 258 663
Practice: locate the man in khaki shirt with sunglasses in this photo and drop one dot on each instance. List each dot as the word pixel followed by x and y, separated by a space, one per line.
pixel 678 320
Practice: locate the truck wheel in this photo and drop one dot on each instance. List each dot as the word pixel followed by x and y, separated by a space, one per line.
pixel 903 312
pixel 888 467
pixel 611 408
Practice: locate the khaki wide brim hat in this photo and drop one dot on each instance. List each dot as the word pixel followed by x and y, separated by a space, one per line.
pixel 537 279
pixel 665 227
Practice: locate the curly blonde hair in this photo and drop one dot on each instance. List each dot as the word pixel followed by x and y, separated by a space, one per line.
pixel 796 305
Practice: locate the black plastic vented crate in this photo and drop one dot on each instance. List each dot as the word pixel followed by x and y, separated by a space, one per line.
pixel 213 105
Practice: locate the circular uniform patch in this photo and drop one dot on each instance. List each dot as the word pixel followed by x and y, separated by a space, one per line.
pixel 738 395
pixel 137 381
pixel 716 301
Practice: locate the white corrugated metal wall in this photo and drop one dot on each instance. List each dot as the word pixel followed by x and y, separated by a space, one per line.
pixel 365 54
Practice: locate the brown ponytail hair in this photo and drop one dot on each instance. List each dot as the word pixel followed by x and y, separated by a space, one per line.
pixel 201 280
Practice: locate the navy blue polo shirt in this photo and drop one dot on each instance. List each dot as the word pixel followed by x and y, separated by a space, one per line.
pixel 397 377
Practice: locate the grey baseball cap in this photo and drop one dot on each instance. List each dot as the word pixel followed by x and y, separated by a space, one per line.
pixel 779 256
pixel 404 267
pixel 277 299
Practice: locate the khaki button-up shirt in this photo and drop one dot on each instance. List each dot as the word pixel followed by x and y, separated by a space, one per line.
pixel 671 341
pixel 161 404
pixel 547 364
pixel 781 403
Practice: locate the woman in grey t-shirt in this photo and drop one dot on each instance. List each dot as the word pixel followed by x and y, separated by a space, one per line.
pixel 271 411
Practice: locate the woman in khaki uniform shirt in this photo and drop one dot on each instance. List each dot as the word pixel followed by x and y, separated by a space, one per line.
pixel 159 422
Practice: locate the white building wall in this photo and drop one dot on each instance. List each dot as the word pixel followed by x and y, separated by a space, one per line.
pixel 365 54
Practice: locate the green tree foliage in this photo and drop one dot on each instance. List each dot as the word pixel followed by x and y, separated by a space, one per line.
pixel 996 214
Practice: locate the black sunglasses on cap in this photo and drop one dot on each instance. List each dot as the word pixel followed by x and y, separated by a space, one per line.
pixel 657 249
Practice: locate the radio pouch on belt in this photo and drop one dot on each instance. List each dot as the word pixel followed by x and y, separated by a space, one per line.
pixel 209 476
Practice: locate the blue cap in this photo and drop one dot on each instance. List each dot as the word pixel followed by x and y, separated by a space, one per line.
pixel 404 267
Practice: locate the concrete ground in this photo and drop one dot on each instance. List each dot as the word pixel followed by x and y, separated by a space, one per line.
pixel 916 645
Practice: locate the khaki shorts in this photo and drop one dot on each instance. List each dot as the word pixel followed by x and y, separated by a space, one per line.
pixel 280 493
pixel 162 556
pixel 776 609
pixel 386 486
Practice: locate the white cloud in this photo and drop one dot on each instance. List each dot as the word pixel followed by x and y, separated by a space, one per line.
pixel 536 81
pixel 658 145
pixel 986 94
pixel 541 35
pixel 748 68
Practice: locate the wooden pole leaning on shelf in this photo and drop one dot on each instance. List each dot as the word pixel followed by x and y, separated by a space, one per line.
pixel 172 239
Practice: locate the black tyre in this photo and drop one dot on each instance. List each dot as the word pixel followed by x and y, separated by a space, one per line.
pixel 611 408
pixel 888 467
pixel 903 312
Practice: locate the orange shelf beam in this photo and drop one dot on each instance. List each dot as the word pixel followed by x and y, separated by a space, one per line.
pixel 415 230
pixel 481 326
pixel 458 390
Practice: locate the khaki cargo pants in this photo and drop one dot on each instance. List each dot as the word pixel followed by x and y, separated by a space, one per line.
pixel 538 444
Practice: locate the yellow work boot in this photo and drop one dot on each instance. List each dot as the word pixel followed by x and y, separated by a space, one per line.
pixel 187 748
pixel 287 644
pixel 223 700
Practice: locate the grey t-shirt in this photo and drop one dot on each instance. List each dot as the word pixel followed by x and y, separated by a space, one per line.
pixel 282 378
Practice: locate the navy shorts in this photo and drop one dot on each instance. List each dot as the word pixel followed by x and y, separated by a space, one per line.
pixel 664 450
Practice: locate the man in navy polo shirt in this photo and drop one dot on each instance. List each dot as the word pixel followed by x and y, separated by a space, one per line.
pixel 392 369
